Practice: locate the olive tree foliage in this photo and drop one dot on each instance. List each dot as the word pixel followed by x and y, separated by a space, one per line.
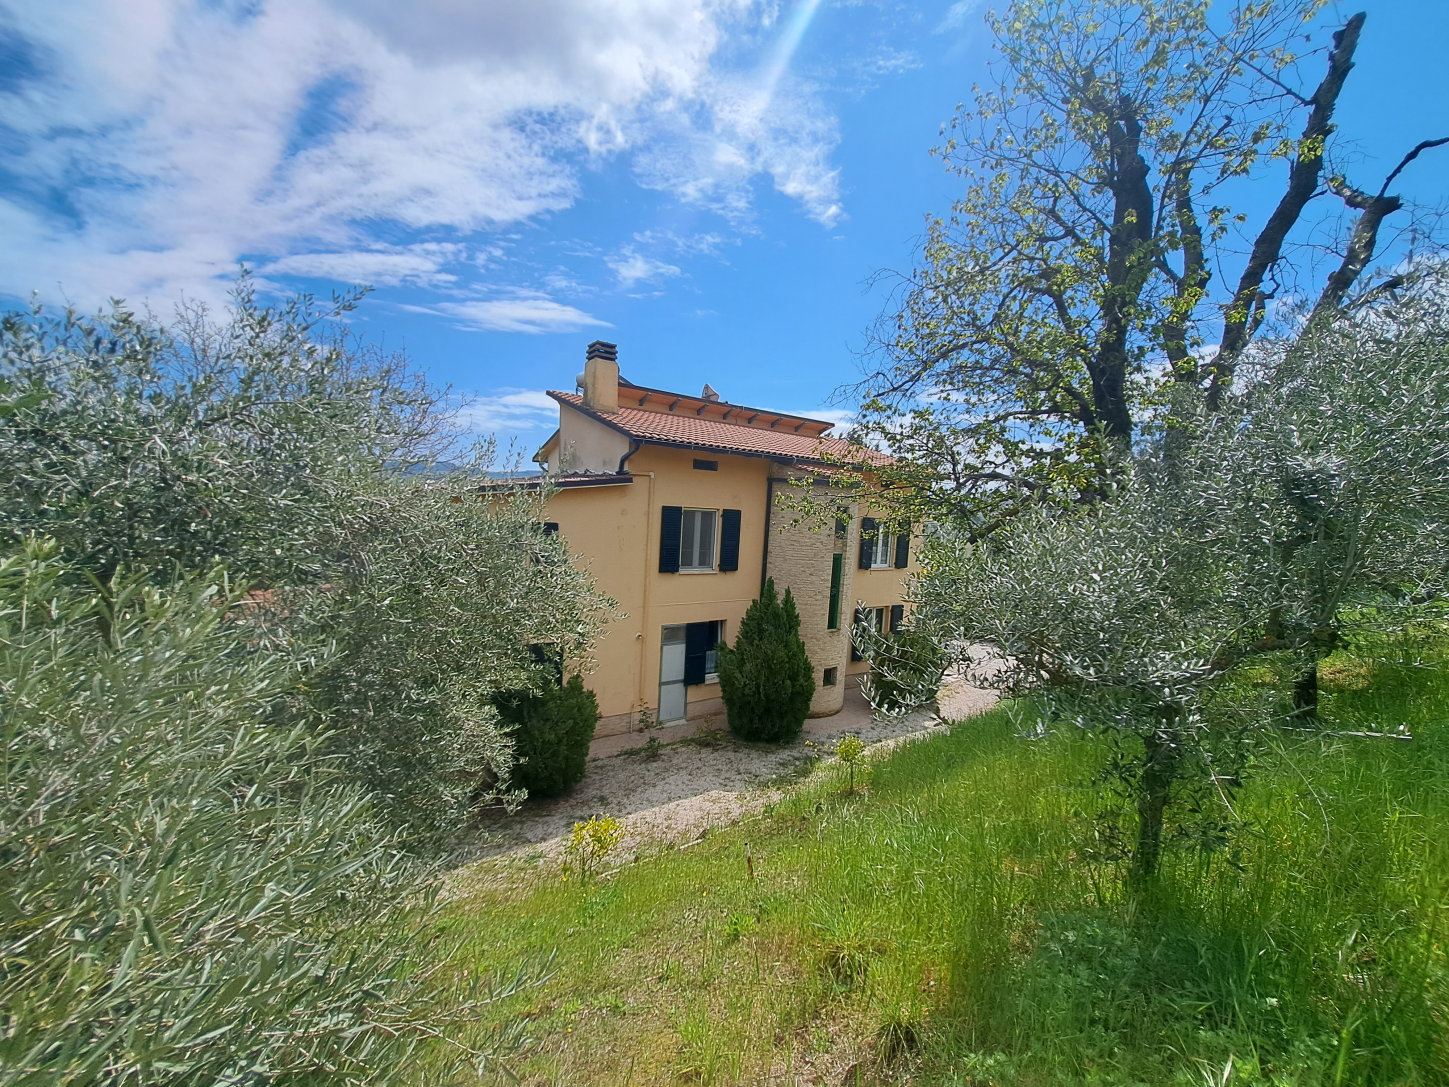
pixel 1318 500
pixel 906 665
pixel 1095 258
pixel 241 440
pixel 196 891
pixel 429 612
pixel 269 441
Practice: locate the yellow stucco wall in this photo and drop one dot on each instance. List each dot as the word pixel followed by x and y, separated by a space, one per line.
pixel 614 533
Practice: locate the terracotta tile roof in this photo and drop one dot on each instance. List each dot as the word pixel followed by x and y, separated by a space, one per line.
pixel 692 432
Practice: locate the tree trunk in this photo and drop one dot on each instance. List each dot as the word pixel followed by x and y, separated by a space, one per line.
pixel 1305 694
pixel 1246 308
pixel 1160 758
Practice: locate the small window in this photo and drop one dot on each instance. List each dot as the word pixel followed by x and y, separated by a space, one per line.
pixel 882 555
pixel 706 465
pixel 832 675
pixel 711 655
pixel 696 540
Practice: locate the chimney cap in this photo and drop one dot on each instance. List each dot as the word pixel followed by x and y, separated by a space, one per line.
pixel 602 349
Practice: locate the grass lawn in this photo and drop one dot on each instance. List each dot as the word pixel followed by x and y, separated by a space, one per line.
pixel 941 926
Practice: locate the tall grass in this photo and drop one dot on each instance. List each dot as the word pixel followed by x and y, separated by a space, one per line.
pixel 945 927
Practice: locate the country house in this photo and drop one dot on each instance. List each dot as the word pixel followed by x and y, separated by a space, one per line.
pixel 671 501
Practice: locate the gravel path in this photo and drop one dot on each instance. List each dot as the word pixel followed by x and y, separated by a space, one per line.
pixel 700 780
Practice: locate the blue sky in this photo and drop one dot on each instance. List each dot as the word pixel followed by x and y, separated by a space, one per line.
pixel 711 184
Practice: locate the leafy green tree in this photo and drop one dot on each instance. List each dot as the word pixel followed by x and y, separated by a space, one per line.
pixel 766 679
pixel 268 442
pixel 1317 500
pixel 551 729
pixel 1095 257
pixel 195 890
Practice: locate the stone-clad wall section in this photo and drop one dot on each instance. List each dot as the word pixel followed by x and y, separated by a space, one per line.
pixel 800 558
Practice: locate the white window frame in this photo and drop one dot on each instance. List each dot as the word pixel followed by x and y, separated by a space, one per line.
pixel 884 555
pixel 881 618
pixel 687 567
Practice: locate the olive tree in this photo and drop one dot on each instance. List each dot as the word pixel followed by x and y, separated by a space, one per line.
pixel 1321 499
pixel 1099 252
pixel 196 891
pixel 269 442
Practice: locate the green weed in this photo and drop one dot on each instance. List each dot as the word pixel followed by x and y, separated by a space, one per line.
pixel 947 927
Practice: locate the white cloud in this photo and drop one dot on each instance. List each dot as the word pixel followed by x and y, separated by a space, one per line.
pixel 841 419
pixel 712 156
pixel 632 268
pixel 385 266
pixel 163 141
pixel 532 315
pixel 959 14
pixel 508 410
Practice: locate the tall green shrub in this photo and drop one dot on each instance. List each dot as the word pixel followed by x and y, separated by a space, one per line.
pixel 552 730
pixel 766 679
pixel 193 890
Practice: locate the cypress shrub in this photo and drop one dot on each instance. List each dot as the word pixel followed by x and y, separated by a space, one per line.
pixel 552 730
pixel 767 680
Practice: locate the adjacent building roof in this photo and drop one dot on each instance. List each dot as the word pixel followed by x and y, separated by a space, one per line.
pixel 561 482
pixel 792 438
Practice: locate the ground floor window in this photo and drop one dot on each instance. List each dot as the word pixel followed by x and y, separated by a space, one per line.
pixel 715 634
pixel 832 676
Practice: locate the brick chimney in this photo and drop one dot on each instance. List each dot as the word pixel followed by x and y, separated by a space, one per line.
pixel 601 377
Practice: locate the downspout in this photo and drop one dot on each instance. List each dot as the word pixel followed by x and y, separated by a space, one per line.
pixel 641 700
pixel 634 446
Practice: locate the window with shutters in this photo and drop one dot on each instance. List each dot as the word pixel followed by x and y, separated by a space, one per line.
pixel 697 540
pixel 883 553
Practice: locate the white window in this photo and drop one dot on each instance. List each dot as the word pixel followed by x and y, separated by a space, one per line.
pixel 884 554
pixel 696 540
pixel 879 620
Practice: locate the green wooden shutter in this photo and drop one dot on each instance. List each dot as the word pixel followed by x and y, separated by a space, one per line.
pixel 861 616
pixel 698 641
pixel 898 613
pixel 867 542
pixel 837 576
pixel 671 527
pixel 903 550
pixel 729 540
